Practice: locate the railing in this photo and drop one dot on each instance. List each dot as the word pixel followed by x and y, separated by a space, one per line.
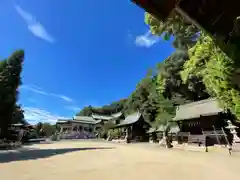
pixel 77 135
pixel 216 132
pixel 196 139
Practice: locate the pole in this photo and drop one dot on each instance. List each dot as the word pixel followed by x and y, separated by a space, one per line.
pixel 225 136
pixel 216 134
pixel 229 146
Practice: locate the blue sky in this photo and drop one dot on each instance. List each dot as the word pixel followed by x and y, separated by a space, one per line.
pixel 78 52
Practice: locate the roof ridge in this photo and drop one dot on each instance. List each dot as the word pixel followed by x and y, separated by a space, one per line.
pixel 199 102
pixel 99 114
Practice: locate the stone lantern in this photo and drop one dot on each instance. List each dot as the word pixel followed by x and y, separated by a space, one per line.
pixel 232 129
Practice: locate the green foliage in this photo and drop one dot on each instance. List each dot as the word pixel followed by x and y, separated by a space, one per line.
pixel 86 111
pixel 39 129
pixel 10 80
pixel 114 133
pixel 207 71
pixel 144 99
pixel 168 79
pixel 216 69
pixel 170 83
pixel 45 129
pixel 196 70
pixel 48 129
pixel 183 31
pixel 18 115
pixel 148 100
pixel 114 107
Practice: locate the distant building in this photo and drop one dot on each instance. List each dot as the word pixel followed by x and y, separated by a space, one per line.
pixel 83 127
pixel 78 127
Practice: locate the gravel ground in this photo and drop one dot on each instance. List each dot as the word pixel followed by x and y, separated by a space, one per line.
pixel 91 160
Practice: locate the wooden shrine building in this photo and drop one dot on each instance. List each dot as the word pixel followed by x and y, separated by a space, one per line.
pixel 135 127
pixel 86 126
pixel 204 118
pixel 78 127
pixel 15 130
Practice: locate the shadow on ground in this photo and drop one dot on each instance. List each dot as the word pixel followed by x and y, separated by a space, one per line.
pixel 31 154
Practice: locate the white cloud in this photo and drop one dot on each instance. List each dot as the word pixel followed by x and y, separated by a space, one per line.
pixel 65 98
pixel 35 27
pixel 39 90
pixel 34 115
pixel 146 40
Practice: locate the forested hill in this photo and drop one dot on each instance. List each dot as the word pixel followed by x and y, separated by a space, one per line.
pixel 196 70
pixel 159 92
pixel 104 110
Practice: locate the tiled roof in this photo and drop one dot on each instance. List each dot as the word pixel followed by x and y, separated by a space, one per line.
pixel 83 118
pixel 80 119
pixel 151 130
pixel 131 119
pixel 95 116
pixel 105 117
pixel 63 120
pixel 161 128
pixel 117 115
pixel 196 109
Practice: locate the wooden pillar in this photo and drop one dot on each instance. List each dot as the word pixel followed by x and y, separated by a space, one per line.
pixel 61 129
pixel 180 125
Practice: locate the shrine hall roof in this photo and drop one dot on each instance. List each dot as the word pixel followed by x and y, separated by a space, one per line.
pixel 130 119
pixel 107 117
pixel 80 119
pixel 196 109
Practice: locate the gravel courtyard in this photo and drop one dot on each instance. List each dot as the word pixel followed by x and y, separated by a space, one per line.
pixel 92 160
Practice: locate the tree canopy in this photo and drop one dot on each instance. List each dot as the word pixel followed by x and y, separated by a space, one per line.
pixel 205 70
pixel 10 80
pixel 45 129
pixel 114 107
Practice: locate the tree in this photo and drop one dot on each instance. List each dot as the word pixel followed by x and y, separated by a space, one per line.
pixel 208 65
pixel 185 32
pixel 86 111
pixel 170 82
pixel 39 129
pixel 45 129
pixel 142 98
pixel 109 109
pixel 217 70
pixel 48 129
pixel 18 115
pixel 185 36
pixel 10 80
